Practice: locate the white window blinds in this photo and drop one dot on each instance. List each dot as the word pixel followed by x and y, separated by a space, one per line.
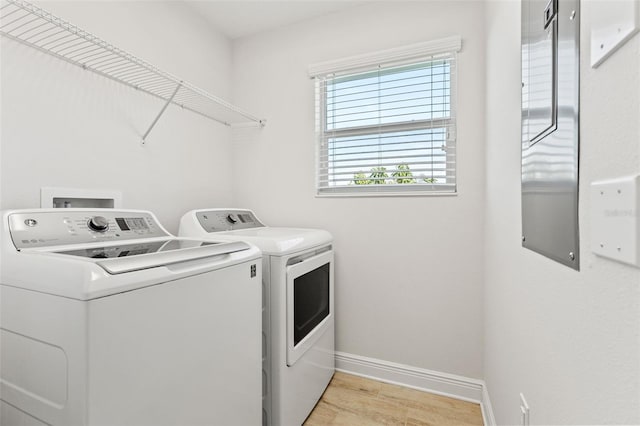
pixel 387 128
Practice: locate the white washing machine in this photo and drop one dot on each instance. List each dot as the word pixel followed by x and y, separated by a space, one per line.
pixel 107 319
pixel 298 311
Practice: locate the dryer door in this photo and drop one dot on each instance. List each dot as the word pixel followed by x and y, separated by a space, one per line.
pixel 309 303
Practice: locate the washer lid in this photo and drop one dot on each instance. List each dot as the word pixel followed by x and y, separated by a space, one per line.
pixel 133 249
pixel 117 259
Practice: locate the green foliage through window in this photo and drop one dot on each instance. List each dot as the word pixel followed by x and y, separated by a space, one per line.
pixel 379 176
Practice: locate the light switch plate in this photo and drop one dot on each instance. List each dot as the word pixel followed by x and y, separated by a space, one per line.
pixel 615 232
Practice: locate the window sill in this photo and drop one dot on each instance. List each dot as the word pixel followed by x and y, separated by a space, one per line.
pixel 386 194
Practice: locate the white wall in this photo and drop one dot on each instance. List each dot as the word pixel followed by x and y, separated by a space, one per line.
pixel 408 269
pixel 62 126
pixel 570 341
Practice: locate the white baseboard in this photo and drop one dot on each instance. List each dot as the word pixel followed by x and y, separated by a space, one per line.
pixel 487 409
pixel 446 384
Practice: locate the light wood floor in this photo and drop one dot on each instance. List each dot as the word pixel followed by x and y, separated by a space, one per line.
pixel 351 400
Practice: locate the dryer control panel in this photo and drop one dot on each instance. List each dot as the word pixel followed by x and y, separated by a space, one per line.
pixel 218 220
pixel 45 228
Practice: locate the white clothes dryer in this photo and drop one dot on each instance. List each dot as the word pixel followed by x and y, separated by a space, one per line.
pixel 298 311
pixel 107 319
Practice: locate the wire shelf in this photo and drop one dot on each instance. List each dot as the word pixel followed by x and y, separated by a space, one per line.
pixel 35 27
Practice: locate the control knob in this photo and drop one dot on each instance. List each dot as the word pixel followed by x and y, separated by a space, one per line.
pixel 98 224
pixel 231 219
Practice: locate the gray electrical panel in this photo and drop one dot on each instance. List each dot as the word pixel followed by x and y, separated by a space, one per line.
pixel 550 107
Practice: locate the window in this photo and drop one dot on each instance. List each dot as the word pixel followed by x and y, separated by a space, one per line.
pixel 386 122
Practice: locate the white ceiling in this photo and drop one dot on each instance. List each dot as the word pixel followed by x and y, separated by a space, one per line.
pixel 241 18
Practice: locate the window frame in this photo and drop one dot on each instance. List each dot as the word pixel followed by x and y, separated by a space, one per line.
pixel 413 54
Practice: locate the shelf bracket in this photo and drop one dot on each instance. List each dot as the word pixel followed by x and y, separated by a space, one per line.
pixel 153 124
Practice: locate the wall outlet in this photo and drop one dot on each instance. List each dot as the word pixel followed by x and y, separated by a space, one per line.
pixel 524 411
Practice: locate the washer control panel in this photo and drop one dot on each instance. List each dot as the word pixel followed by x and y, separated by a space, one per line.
pixel 69 226
pixel 227 220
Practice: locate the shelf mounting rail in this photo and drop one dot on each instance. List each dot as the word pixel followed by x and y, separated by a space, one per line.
pixel 28 24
